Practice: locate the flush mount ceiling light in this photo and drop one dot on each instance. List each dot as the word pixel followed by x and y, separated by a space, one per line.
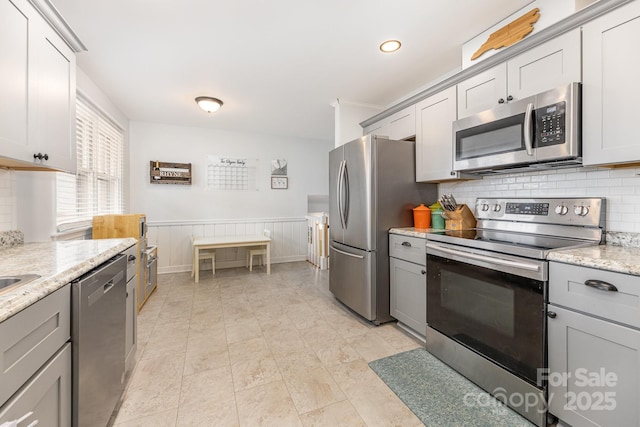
pixel 390 46
pixel 208 103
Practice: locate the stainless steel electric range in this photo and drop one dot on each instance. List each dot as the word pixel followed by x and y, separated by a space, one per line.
pixel 487 292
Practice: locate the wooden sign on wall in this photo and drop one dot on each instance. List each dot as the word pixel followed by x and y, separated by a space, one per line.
pixel 169 173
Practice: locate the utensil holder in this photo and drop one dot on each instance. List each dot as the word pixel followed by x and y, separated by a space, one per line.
pixel 460 218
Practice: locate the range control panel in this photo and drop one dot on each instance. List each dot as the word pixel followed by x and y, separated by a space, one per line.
pixel 569 211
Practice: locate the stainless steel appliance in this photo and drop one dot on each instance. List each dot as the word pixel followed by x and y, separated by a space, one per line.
pixel 98 342
pixel 372 188
pixel 487 292
pixel 540 131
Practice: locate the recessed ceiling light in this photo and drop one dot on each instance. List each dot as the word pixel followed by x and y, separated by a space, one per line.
pixel 390 46
pixel 209 104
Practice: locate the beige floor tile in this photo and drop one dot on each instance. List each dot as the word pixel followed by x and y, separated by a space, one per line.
pixel 284 341
pixel 208 386
pixel 252 373
pixel 395 336
pixel 374 401
pixel 242 330
pixel 161 419
pixel 204 354
pixel 320 331
pixel 341 414
pixel 145 401
pixel 370 346
pixel 267 405
pixel 253 349
pixel 335 351
pixel 219 413
pixel 347 325
pixel 309 383
pixel 156 373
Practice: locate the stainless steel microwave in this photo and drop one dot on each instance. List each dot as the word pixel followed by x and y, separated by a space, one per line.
pixel 541 131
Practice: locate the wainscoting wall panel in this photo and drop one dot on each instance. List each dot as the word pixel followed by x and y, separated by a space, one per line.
pixel 173 238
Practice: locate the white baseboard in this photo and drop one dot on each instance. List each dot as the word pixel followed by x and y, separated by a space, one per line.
pixel 227 264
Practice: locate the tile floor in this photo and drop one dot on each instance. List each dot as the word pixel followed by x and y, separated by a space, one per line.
pixel 248 349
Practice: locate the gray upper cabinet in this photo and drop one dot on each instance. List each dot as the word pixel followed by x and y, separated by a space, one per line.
pixel 541 68
pixel 37 115
pixel 400 125
pixel 434 137
pixel 611 87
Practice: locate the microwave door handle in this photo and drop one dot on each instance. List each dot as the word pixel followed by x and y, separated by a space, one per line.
pixel 528 129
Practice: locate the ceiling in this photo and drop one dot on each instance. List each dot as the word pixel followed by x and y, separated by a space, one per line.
pixel 277 65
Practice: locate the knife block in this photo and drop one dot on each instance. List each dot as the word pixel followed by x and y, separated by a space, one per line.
pixel 460 219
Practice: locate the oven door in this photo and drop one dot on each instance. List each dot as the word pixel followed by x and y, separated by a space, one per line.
pixel 491 303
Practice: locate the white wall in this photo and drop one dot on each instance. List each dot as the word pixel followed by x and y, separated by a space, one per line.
pixel 174 212
pixel 8 214
pixel 308 163
pixel 348 116
pixel 620 186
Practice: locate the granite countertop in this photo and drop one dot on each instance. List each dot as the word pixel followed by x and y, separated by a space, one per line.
pixel 414 232
pixel 58 263
pixel 619 259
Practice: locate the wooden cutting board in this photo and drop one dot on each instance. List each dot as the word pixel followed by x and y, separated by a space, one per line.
pixel 510 33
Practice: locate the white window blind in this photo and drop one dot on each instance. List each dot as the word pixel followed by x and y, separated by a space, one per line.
pixel 96 189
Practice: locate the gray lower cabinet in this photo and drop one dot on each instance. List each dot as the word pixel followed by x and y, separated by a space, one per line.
pixel 408 286
pixel 131 331
pixel 47 394
pixel 35 362
pixel 594 346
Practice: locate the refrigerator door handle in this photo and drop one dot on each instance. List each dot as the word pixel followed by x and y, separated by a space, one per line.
pixel 347 195
pixel 347 253
pixel 339 192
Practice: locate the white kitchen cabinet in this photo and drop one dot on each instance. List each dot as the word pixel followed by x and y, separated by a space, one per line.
pixel 40 115
pixel 594 356
pixel 408 285
pixel 400 125
pixel 611 88
pixel 434 137
pixel 544 67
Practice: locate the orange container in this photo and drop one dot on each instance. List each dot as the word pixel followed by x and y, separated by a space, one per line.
pixel 421 216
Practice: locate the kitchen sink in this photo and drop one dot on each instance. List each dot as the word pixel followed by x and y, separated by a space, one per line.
pixel 8 282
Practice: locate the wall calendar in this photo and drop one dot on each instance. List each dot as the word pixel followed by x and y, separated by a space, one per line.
pixel 232 173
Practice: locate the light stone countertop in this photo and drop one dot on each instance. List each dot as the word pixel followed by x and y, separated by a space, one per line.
pixel 619 259
pixel 58 263
pixel 414 232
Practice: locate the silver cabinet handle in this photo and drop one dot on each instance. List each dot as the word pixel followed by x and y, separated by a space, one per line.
pixel 347 253
pixel 528 129
pixel 599 284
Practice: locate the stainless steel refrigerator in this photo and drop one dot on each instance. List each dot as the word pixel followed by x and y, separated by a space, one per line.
pixel 372 188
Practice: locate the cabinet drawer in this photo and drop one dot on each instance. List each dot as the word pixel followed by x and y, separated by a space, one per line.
pixel 412 249
pixel 31 337
pixel 567 288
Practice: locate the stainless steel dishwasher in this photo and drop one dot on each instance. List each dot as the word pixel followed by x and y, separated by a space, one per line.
pixel 98 342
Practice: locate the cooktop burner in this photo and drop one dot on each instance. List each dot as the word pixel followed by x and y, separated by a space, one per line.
pixel 531 227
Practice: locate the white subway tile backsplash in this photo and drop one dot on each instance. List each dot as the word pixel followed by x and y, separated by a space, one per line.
pixel 620 186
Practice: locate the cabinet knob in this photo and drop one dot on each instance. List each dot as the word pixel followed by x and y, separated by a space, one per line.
pixel 407 244
pixel 41 156
pixel 501 101
pixel 423 271
pixel 452 173
pixel 552 315
pixel 509 98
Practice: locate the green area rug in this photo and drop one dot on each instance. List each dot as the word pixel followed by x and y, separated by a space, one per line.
pixel 440 396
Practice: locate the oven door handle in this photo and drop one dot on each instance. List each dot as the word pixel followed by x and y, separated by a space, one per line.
pixel 488 259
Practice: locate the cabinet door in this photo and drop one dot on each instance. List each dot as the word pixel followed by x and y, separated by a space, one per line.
pixel 402 125
pixel 53 127
pixel 378 128
pixel 14 62
pixel 47 394
pixel 408 286
pixel 131 328
pixel 611 88
pixel 482 91
pixel 434 137
pixel 549 65
pixel 594 370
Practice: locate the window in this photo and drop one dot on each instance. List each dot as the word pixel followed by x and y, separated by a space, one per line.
pixel 96 189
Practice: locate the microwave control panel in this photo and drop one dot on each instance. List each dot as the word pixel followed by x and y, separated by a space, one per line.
pixel 550 124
